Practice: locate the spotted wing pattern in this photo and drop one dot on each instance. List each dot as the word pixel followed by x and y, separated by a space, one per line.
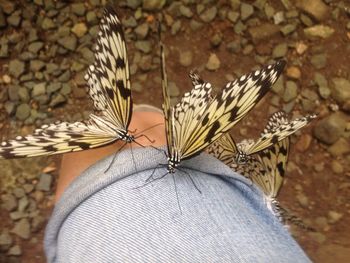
pixel 109 87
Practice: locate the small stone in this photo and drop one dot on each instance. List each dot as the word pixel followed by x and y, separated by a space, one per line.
pixel 10 107
pixel 319 61
pixel 144 46
pixel 9 202
pixel 316 8
pixel 322 84
pixel 186 58
pixel 307 21
pixel 129 22
pixel 213 62
pixel 78 9
pixel 216 40
pixel 16 68
pixel 23 204
pixel 278 87
pixel 339 148
pixel 319 31
pixel 263 31
pixel 288 29
pixel 330 128
pixel 337 167
pixel 340 90
pixel 15 251
pixel 234 46
pixel 318 237
pixel 53 87
pixel 321 221
pixel 290 92
pixel 153 5
pixel 79 29
pixel 300 48
pixel 303 200
pixel 176 27
pixel 195 25
pixel 47 24
pixel 142 30
pixel 58 100
pixel 246 11
pixel 133 4
pixel 233 16
pixel 39 89
pixel 137 87
pixel 209 15
pixel 23 111
pixel 22 228
pixel 35 47
pixel 18 192
pixel 5 240
pixel 36 65
pixel 239 27
pixel 173 89
pixel 280 50
pixel 68 42
pixel 37 223
pixel 91 18
pixel 185 11
pixel 44 183
pixel 14 19
pixel 303 143
pixel 334 217
pixel 293 72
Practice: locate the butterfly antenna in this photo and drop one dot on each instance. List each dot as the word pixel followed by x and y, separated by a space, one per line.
pixel 189 176
pixel 153 126
pixel 177 194
pixel 133 157
pixel 143 135
pixel 114 157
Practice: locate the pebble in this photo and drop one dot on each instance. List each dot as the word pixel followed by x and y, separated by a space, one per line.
pixel 57 100
pixel 290 92
pixel 9 202
pixel 278 18
pixel 340 90
pixel 195 25
pixel 302 199
pixel 173 89
pixel 280 50
pixel 23 111
pixel 278 87
pixel 44 183
pixel 5 240
pixel 316 8
pixel 319 31
pixel 16 68
pixel 303 142
pixel 239 27
pixel 233 16
pixel 334 217
pixel 337 167
pixel 340 147
pixel 186 58
pixel 48 24
pixel 216 40
pixel 213 62
pixel 288 29
pixel 79 29
pixel 36 65
pixel 142 30
pixel 39 89
pixel 185 11
pixel 246 11
pixel 37 223
pixel 133 4
pixel 322 222
pixel 144 46
pixel 176 27
pixel 234 46
pixel 14 19
pixel 23 204
pixel 329 129
pixel 322 84
pixel 319 61
pixel 78 9
pixel 318 237
pixel 68 42
pixel 153 5
pixel 209 15
pixel 15 251
pixel 35 47
pixel 22 228
pixel 293 72
pixel 263 31
pixel 129 22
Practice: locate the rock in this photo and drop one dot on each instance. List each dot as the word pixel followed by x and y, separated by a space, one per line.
pixel 36 65
pixel 58 100
pixel 334 216
pixel 340 90
pixel 185 11
pixel 78 9
pixel 278 18
pixel 9 202
pixel 319 167
pixel 290 92
pixel 209 15
pixel 239 27
pixel 144 46
pixel 293 72
pixel 234 46
pixel 337 167
pixel 288 29
pixel 278 87
pixel 37 223
pixel 39 89
pixel 53 87
pixel 213 62
pixel 186 58
pixel 35 47
pixel 216 40
pixel 129 22
pixel 319 61
pixel 300 48
pixel 137 87
pixel 303 200
pixel 322 84
pixel 303 143
pixel 91 18
pixel 153 5
pixel 13 92
pixel 306 20
pixel 68 42
pixel 246 11
pixel 176 27
pixel 316 8
pixel 22 228
pixel 195 25
pixel 280 50
pixel 23 204
pixel 173 89
pixel 318 237
pixel 142 30
pixel 18 192
pixel 44 182
pixel 322 222
pixel 10 107
pixel 233 16
pixel 340 147
pixel 79 29
pixel 47 24
pixel 133 4
pixel 15 251
pixel 330 128
pixel 16 68
pixel 319 31
pixel 5 240
pixel 23 111
pixel 14 19
pixel 263 31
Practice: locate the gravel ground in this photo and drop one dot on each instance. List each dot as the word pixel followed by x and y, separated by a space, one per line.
pixel 46 45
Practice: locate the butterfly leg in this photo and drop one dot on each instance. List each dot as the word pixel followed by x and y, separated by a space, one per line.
pixel 114 157
pixel 189 176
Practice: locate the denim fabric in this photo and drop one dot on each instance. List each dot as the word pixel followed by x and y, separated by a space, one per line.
pixel 104 217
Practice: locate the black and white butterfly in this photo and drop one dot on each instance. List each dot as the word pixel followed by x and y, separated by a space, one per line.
pixel 200 119
pixel 109 87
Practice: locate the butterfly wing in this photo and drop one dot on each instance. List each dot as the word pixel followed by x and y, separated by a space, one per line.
pixel 223 149
pixel 60 138
pixel 195 78
pixel 109 78
pixel 277 129
pixel 227 109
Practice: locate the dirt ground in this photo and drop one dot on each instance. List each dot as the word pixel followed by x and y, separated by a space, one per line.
pixel 312 190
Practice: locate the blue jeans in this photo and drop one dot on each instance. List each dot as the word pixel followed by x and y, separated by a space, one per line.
pixel 104 217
